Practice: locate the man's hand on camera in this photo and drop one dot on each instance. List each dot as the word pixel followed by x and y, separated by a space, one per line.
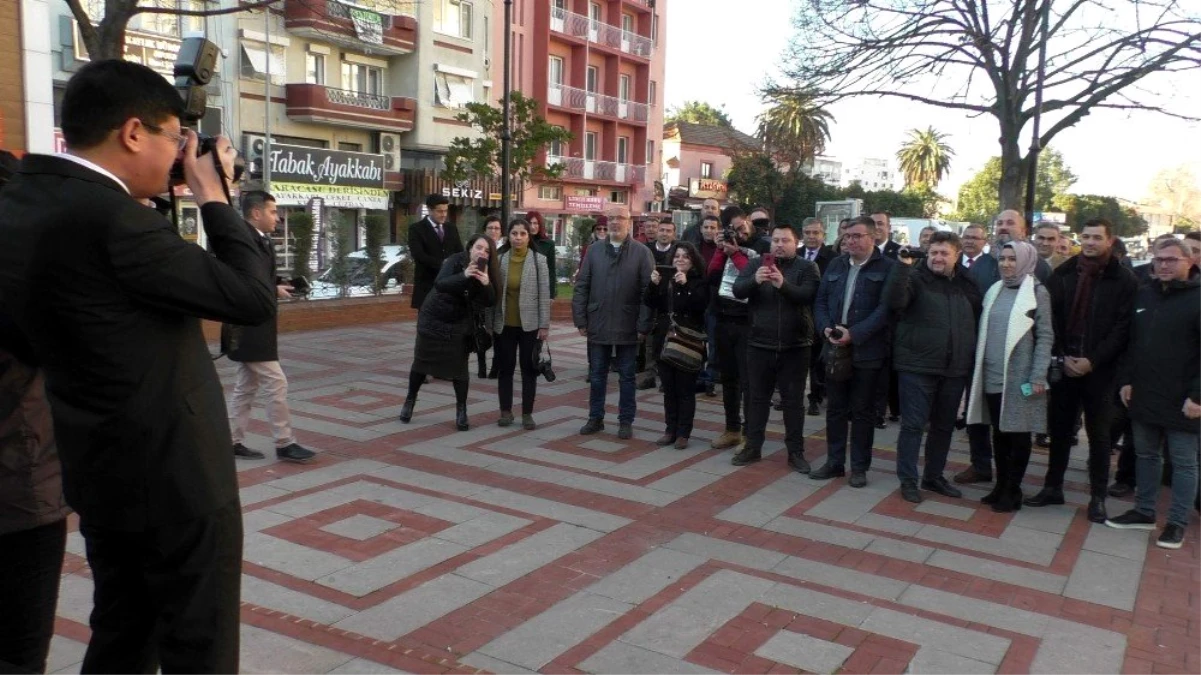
pixel 200 173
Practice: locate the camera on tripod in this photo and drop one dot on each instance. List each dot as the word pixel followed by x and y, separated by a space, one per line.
pixel 194 67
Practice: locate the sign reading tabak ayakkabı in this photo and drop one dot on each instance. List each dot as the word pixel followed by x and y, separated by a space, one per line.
pixel 318 166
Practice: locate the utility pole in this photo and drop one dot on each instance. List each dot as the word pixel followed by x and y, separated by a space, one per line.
pixel 506 133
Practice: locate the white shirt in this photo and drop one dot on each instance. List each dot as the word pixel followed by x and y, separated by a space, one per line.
pixel 662 249
pixel 968 261
pixel 87 164
pixel 810 254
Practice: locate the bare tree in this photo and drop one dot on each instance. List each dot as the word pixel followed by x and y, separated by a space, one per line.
pixel 981 56
pixel 105 39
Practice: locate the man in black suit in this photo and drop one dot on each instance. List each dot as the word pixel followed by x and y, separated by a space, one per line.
pixel 888 394
pixel 111 298
pixel 815 250
pixel 256 351
pixel 431 241
pixel 982 269
pixel 888 247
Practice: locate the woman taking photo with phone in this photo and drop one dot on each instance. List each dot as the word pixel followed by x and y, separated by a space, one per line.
pixel 520 319
pixel 682 297
pixel 1009 383
pixel 446 327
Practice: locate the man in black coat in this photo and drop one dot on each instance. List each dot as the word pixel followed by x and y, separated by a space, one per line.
pixel 815 250
pixel 888 397
pixel 431 241
pixel 111 298
pixel 255 350
pixel 1092 299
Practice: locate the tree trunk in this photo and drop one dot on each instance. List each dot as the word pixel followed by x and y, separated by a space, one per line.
pixel 1013 175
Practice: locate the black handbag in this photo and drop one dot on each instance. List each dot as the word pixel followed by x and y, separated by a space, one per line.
pixel 840 363
pixel 683 348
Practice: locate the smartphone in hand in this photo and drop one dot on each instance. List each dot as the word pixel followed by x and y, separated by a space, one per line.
pixel 481 264
pixel 769 260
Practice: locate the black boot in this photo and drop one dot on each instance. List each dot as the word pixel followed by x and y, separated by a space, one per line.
pixel 797 461
pixel 461 417
pixel 1096 507
pixel 994 496
pixel 747 456
pixel 1010 500
pixel 406 411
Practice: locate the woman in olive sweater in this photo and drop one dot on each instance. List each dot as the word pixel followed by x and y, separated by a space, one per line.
pixel 520 319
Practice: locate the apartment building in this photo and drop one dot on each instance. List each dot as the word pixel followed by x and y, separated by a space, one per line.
pixel 697 159
pixel 596 67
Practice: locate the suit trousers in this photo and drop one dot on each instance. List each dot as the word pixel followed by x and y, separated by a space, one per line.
pixel 166 596
pixel 767 370
pixel 731 341
pixel 1094 392
pixel 852 402
pixel 266 377
pixel 30 564
pixel 932 399
pixel 817 371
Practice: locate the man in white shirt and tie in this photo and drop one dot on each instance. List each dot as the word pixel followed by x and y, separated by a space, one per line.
pixel 431 240
pixel 815 250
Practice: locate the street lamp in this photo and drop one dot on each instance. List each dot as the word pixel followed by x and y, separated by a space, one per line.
pixel 506 134
pixel 1035 141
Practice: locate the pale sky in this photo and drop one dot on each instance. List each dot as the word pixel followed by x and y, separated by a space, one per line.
pixel 720 56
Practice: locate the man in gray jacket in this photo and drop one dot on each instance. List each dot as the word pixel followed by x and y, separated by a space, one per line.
pixel 607 309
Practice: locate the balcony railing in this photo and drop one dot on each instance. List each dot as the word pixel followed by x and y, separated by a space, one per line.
pixel 327 105
pixel 358 99
pixel 330 21
pixel 594 103
pixel 580 26
pixel 592 169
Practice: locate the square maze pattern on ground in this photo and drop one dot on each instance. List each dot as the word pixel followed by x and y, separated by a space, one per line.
pixel 416 548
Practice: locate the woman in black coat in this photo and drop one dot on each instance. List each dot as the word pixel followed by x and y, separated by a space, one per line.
pixel 682 298
pixel 446 323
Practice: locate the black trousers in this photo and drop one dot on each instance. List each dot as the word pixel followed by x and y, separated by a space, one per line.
pixel 1119 428
pixel 852 402
pixel 1011 450
pixel 166 597
pixel 30 564
pixel 679 399
pixel 731 354
pixel 513 345
pixel 817 371
pixel 888 392
pixel 767 369
pixel 1094 393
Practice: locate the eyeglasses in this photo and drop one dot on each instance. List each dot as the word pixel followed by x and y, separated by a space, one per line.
pixel 180 139
pixel 855 236
pixel 1166 261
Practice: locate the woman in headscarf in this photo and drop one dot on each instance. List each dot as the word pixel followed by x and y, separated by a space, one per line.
pixel 1009 383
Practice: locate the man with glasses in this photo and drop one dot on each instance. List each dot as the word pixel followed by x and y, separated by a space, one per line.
pixel 1161 388
pixel 982 269
pixel 111 299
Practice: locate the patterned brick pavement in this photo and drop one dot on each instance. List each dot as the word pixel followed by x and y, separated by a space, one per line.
pixel 414 548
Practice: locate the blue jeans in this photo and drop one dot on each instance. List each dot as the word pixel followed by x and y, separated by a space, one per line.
pixel 1182 448
pixel 598 377
pixel 933 399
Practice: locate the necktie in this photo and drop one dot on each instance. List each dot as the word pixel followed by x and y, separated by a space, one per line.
pixel 438 229
pixel 967 263
pixel 812 255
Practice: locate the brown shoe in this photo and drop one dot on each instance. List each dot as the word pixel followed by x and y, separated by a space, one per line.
pixel 666 439
pixel 681 443
pixel 727 439
pixel 970 475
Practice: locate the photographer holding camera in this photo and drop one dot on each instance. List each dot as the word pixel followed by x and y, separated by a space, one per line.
pixel 111 298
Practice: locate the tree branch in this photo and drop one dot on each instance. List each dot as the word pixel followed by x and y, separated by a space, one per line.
pixel 203 12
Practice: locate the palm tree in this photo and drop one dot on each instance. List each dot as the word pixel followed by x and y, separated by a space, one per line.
pixel 795 127
pixel 925 158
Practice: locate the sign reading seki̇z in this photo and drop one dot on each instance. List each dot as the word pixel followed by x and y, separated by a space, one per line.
pixel 317 166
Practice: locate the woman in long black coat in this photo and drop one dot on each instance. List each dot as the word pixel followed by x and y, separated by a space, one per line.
pixel 446 323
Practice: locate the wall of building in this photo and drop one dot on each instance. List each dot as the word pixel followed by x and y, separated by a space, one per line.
pixel 12 80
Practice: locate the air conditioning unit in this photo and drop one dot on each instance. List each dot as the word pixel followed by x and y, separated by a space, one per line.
pixel 253 147
pixel 389 147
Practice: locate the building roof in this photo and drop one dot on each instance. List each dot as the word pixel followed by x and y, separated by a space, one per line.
pixel 705 134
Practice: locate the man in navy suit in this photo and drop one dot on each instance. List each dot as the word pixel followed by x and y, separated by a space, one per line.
pixel 431 241
pixel 815 250
pixel 983 270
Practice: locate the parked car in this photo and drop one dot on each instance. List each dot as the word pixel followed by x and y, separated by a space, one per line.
pixel 358 275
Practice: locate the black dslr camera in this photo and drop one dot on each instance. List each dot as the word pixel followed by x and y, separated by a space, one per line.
pixel 193 70
pixel 544 366
pixel 912 253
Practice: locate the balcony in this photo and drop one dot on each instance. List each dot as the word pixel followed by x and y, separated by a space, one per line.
pixel 326 105
pixel 596 104
pixel 590 169
pixel 614 37
pixel 331 21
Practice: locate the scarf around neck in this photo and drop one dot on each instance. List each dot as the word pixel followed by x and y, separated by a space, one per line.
pixel 1089 270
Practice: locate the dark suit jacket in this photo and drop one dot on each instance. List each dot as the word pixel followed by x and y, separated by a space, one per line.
pixel 111 298
pixel 428 252
pixel 890 249
pixel 824 255
pixel 249 344
pixel 984 272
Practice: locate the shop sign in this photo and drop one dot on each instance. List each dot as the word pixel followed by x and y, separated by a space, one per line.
pixel 318 166
pixel 336 196
pixel 707 188
pixel 584 203
pixel 461 192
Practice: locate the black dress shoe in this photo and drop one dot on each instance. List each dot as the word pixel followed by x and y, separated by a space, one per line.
pixel 591 427
pixel 461 418
pixel 406 411
pixel 1010 500
pixel 826 472
pixel 1041 441
pixel 243 452
pixel 625 431
pixel 294 453
pixel 814 409
pixel 747 456
pixel 1096 510
pixel 940 486
pixel 1046 497
pixel 858 479
pixel 711 390
pixel 1120 490
pixel 797 461
pixel 994 496
pixel 880 423
pixel 910 493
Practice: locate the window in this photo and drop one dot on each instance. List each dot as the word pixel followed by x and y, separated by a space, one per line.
pixel 156 22
pixel 594 13
pixel 623 149
pixel 314 68
pixel 653 92
pixel 255 61
pixel 655 28
pixel 560 5
pixel 590 145
pixel 362 79
pixel 556 70
pixel 623 88
pixel 619 197
pixel 584 192
pixel 453 91
pixel 192 24
pixel 550 192
pixel 650 152
pixel 555 148
pixel 453 17
pixel 706 169
pixel 350 147
pixel 592 79
pixel 627 24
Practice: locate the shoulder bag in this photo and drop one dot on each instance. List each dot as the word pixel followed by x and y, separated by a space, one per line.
pixel 683 348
